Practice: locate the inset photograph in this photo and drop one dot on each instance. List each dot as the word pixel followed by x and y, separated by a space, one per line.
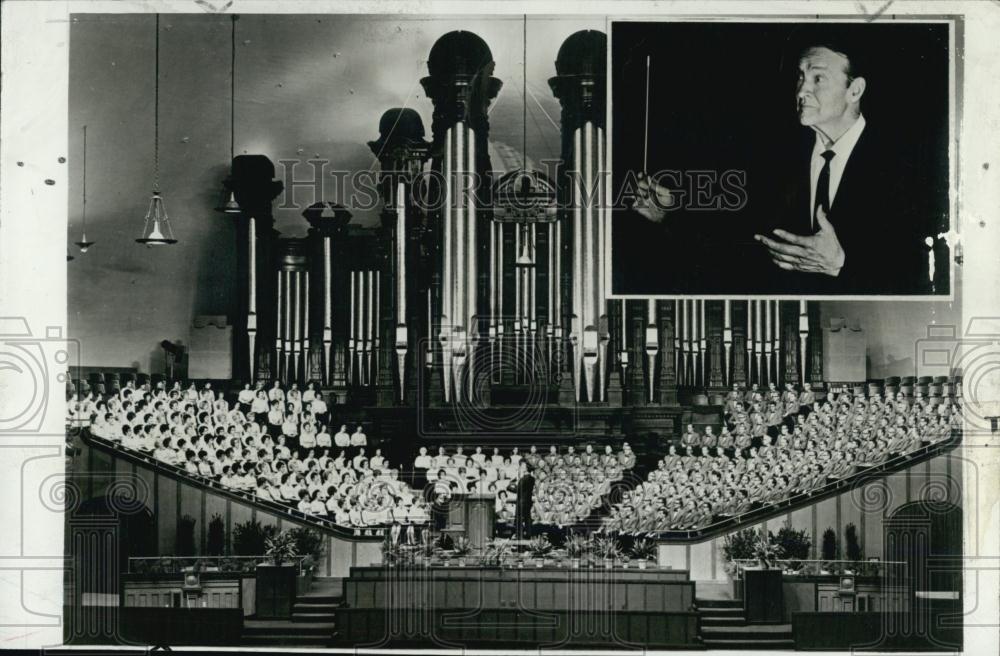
pixel 782 158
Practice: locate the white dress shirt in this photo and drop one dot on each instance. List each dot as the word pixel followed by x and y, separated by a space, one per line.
pixel 842 148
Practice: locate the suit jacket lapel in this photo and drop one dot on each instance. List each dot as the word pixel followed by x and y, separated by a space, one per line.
pixel 853 174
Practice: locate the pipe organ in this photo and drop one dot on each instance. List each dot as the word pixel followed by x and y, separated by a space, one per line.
pixel 497 291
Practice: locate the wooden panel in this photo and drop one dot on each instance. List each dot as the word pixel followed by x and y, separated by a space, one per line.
pixel 166 514
pixel 673 556
pixel 101 470
pixel 701 561
pixel 635 596
pixel 191 505
pixel 146 482
pixel 826 517
pixel 494 594
pixel 544 594
pixel 214 505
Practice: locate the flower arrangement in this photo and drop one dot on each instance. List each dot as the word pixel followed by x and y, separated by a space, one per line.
pixel 766 550
pixel 577 548
pixel 643 550
pixel 607 548
pixel 496 553
pixel 738 546
pixel 281 547
pixel 461 546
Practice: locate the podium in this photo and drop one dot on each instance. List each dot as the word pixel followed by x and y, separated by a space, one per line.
pixel 473 515
pixel 763 598
pixel 480 519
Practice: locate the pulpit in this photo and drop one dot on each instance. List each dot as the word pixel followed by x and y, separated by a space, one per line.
pixel 472 515
pixel 763 601
pixel 480 519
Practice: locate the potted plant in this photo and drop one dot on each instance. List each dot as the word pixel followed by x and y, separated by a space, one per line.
pixel 829 551
pixel 461 549
pixel 766 551
pixel 852 548
pixel 738 546
pixel 276 579
pixel 576 549
pixel 250 538
pixel 496 553
pixel 427 550
pixel 644 550
pixel 216 545
pixel 391 552
pixel 185 535
pixel 794 546
pixel 539 546
pixel 606 548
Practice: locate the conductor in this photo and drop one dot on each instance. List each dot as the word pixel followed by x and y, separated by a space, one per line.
pixel 525 491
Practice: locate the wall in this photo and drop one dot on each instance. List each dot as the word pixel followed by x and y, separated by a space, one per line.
pixel 894 330
pixel 866 506
pixel 306 87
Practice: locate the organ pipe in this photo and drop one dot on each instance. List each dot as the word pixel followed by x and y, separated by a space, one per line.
pixel 447 282
pixel 252 313
pixel 803 336
pixel 327 308
pixel 305 329
pixel 652 345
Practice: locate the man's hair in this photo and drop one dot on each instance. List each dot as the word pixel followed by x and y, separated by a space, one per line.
pixel 854 69
pixel 847 40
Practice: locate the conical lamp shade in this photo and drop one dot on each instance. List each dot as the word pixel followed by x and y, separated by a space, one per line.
pixel 228 204
pixel 83 244
pixel 156 227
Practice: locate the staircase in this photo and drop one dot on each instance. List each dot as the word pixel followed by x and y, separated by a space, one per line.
pixel 723 626
pixel 311 625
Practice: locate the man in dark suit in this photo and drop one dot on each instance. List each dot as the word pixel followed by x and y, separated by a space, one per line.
pixel 525 494
pixel 849 222
pixel 846 212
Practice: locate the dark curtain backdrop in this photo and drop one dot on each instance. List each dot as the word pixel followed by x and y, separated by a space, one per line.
pixel 722 98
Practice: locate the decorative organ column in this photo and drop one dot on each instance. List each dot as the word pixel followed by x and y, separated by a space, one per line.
pixel 815 344
pixel 461 86
pixel 716 336
pixel 580 87
pixel 251 180
pixel 327 331
pixel 758 341
pixel 727 342
pixel 292 271
pixel 767 377
pixel 702 345
pixel 402 152
pixel 668 339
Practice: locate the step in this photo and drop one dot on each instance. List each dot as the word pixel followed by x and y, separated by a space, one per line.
pixel 747 632
pixel 735 620
pixel 287 640
pixel 749 644
pixel 718 603
pixel 764 628
pixel 311 598
pixel 314 618
pixel 265 627
pixel 720 612
pixel 310 607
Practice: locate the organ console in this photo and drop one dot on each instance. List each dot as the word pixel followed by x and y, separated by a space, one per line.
pixel 500 286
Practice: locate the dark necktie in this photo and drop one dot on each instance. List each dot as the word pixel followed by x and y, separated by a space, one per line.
pixel 823 186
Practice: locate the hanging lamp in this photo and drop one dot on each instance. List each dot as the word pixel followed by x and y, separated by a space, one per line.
pixel 229 204
pixel 156 229
pixel 83 244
